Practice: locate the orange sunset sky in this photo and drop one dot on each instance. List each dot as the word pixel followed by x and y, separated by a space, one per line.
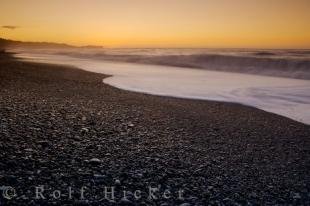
pixel 159 23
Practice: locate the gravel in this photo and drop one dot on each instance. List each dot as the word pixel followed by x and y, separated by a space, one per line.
pixel 60 127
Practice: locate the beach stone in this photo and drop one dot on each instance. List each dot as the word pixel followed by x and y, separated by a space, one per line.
pixel 84 130
pixel 296 196
pixel 44 143
pixel 95 161
pixel 125 202
pixel 117 182
pixel 185 204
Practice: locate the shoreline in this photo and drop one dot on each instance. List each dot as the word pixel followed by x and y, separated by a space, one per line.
pixel 75 130
pixel 283 96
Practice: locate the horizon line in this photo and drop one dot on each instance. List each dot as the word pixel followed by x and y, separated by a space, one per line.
pixel 150 47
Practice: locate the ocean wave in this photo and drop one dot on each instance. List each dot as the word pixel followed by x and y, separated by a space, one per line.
pixel 291 68
pixel 279 63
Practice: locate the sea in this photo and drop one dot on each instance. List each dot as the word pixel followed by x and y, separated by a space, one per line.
pixel 273 80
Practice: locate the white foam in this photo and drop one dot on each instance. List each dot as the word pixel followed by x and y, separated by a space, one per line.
pixel 283 96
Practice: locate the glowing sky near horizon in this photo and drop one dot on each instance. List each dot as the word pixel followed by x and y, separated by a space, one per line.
pixel 160 23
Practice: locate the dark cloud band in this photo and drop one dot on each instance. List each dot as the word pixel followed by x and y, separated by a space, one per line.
pixel 9 27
